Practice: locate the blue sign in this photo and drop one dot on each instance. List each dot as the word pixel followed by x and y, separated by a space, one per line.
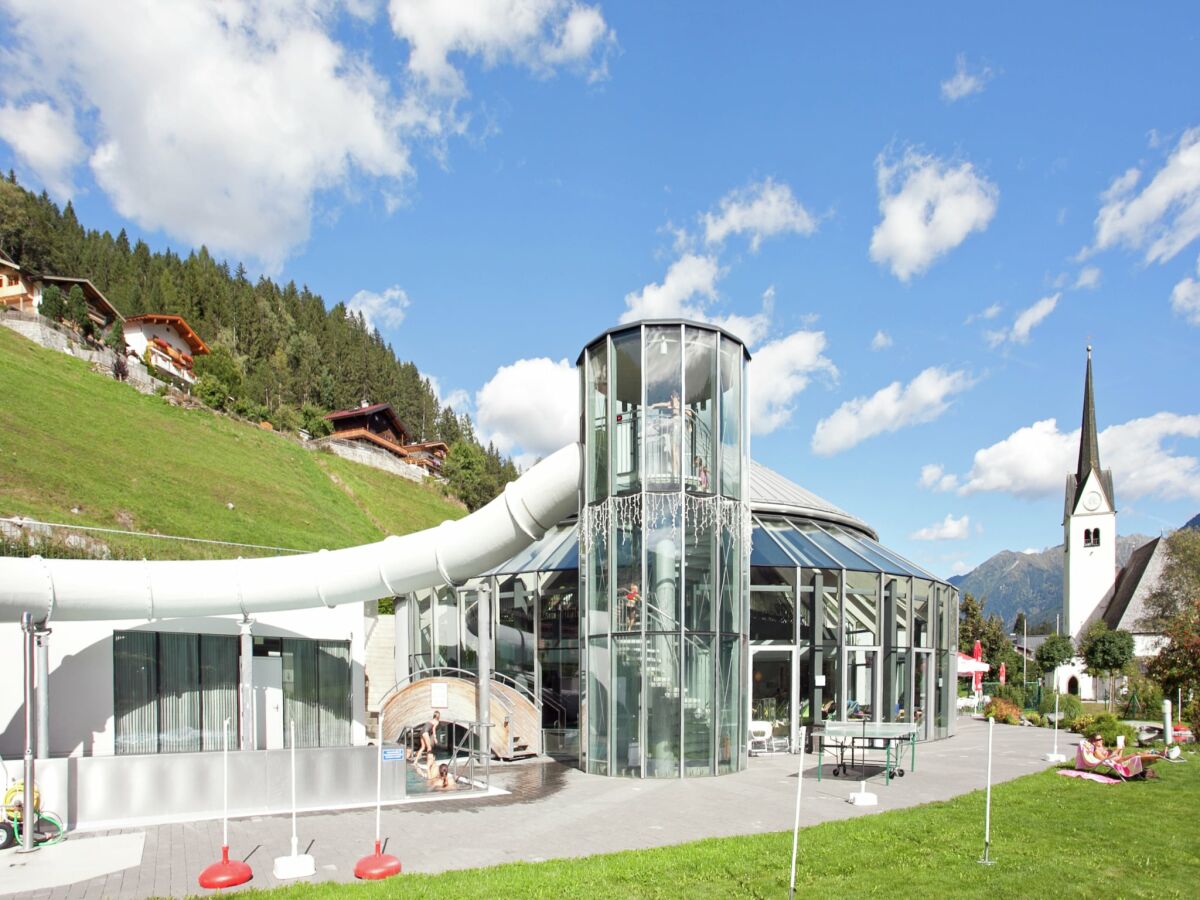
pixel 391 754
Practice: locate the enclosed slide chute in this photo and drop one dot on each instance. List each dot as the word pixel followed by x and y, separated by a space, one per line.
pixel 451 553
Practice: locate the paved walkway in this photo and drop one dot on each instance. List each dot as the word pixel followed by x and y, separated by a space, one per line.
pixel 554 811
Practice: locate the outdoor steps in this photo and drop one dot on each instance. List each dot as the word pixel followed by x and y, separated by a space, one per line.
pixel 380 664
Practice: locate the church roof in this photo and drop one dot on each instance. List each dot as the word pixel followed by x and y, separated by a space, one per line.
pixel 1089 450
pixel 1135 583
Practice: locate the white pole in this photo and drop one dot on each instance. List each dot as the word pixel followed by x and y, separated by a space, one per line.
pixel 378 785
pixel 225 766
pixel 1054 756
pixel 1168 723
pixel 987 815
pixel 294 787
pixel 796 827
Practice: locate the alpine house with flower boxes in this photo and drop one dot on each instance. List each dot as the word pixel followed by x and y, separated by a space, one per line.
pixel 378 425
pixel 170 341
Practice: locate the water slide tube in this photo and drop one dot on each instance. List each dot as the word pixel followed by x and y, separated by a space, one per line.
pixel 88 589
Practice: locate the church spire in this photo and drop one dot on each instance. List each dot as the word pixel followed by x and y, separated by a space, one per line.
pixel 1089 446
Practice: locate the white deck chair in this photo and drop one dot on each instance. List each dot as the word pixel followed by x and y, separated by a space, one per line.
pixel 760 737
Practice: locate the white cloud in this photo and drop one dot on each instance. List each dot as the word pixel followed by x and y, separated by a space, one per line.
pixel 231 124
pixel 1034 461
pixel 929 207
pixel 457 399
pixel 779 371
pixel 1165 216
pixel 536 34
pixel 380 310
pixel 990 313
pixel 1185 298
pixel 949 529
pixel 1089 278
pixel 688 287
pixel 529 408
pixel 889 409
pixel 881 341
pixel 761 210
pixel 1026 320
pixel 963 82
pixel 44 138
pixel 960 567
pixel 935 478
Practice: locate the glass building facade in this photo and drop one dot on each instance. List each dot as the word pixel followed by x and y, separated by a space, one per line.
pixel 696 591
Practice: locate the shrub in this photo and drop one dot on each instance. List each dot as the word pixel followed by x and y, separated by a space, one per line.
pixel 1034 719
pixel 1069 706
pixel 53 307
pixel 1014 693
pixel 285 418
pixel 249 409
pixel 211 391
pixel 1110 727
pixel 313 420
pixel 1003 711
pixel 1191 715
pixel 1082 724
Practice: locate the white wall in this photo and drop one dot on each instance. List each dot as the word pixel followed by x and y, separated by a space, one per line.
pixel 139 334
pixel 81 672
pixel 1089 573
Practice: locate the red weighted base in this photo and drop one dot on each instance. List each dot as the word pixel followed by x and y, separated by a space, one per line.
pixel 226 873
pixel 377 866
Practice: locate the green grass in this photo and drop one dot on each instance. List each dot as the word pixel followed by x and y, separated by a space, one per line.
pixel 1051 836
pixel 72 438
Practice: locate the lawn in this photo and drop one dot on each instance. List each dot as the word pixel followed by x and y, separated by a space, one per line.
pixel 71 438
pixel 1050 836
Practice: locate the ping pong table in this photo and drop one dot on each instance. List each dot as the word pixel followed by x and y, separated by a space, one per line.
pixel 850 742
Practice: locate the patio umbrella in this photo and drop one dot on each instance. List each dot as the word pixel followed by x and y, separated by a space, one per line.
pixel 970 667
pixel 977 655
pixel 1002 673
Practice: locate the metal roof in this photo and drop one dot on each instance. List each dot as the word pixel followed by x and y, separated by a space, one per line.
pixel 771 492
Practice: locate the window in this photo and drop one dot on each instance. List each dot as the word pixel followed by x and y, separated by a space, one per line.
pixel 172 692
pixel 1091 537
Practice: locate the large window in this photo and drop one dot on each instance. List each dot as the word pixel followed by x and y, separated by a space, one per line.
pixel 172 692
pixel 316 692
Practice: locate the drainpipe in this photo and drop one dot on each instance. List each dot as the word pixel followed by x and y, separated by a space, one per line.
pixel 483 689
pixel 42 636
pixel 28 815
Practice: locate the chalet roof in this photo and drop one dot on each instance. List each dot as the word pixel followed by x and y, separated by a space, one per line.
pixel 90 291
pixel 385 408
pixel 8 260
pixel 428 445
pixel 185 330
pixel 1135 583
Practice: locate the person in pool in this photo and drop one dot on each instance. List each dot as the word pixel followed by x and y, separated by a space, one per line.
pixel 429 739
pixel 440 777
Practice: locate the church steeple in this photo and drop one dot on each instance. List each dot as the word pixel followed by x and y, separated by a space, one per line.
pixel 1089 446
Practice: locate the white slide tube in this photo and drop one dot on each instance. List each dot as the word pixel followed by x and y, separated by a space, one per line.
pixel 451 553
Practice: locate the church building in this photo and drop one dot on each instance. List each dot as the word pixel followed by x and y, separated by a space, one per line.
pixel 1093 586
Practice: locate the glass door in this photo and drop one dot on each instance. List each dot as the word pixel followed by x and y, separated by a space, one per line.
pixel 922 692
pixel 773 691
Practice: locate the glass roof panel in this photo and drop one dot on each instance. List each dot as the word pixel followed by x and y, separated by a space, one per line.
pixel 563 556
pixel 846 558
pixel 881 561
pixel 766 552
pixel 906 566
pixel 804 551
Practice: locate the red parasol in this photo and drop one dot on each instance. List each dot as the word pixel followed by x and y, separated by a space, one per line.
pixel 1002 673
pixel 977 680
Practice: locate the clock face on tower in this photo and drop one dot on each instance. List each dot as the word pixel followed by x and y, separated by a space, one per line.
pixel 1091 500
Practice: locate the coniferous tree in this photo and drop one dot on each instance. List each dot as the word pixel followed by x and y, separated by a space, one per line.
pixel 52 305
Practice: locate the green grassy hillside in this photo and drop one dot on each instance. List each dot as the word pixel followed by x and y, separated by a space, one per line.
pixel 70 437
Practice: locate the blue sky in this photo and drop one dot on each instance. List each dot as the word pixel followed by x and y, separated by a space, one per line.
pixel 917 219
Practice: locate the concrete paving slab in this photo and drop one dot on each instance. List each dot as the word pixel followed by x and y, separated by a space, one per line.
pixel 552 811
pixel 84 860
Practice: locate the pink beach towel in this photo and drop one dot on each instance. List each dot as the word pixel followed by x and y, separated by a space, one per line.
pixel 1090 776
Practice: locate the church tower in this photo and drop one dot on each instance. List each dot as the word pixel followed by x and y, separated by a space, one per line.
pixel 1089 527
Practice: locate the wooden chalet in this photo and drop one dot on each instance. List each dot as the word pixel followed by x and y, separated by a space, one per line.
pixel 169 339
pixel 378 425
pixel 22 290
pixel 429 455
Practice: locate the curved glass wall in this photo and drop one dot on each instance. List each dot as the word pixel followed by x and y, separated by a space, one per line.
pixel 663 530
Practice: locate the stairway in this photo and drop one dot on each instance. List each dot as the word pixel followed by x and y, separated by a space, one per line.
pixel 380 665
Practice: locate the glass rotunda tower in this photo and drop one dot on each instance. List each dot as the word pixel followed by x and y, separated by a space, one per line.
pixel 664 543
